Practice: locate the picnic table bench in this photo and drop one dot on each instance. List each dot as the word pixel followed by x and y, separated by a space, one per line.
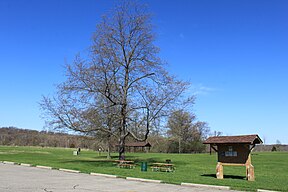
pixel 167 167
pixel 125 164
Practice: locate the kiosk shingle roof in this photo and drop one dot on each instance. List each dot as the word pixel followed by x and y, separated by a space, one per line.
pixel 249 139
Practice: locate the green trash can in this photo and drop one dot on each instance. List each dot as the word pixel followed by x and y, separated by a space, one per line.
pixel 144 166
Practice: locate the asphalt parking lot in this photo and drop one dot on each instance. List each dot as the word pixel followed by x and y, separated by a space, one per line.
pixel 17 178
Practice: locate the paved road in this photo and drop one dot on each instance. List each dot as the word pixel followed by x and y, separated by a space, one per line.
pixel 16 178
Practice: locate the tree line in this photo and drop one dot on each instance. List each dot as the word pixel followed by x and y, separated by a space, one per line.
pixel 25 137
pixel 13 136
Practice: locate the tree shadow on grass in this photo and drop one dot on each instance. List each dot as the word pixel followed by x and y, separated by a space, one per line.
pixel 113 157
pixel 102 161
pixel 107 162
pixel 225 176
pixel 97 163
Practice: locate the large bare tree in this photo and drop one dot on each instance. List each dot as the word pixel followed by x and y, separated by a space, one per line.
pixel 122 87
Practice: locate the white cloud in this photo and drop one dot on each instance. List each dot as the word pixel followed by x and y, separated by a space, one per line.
pixel 200 89
pixel 181 35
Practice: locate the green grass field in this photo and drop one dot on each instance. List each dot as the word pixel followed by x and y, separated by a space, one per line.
pixel 271 169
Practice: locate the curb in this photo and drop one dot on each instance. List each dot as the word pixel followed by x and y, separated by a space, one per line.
pixel 69 170
pixel 143 180
pixel 9 162
pixel 206 186
pixel 25 165
pixel 43 167
pixel 103 175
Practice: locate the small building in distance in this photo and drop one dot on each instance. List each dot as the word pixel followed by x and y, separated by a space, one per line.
pixel 234 151
pixel 137 146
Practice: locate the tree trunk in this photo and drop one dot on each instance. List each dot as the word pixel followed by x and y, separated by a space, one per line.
pixel 108 153
pixel 122 148
pixel 179 142
pixel 109 147
pixel 122 136
pixel 124 113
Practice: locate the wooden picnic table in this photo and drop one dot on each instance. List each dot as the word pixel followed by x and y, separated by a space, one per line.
pixel 125 164
pixel 167 167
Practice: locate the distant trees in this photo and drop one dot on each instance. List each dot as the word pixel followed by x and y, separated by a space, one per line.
pixel 122 88
pixel 217 133
pixel 161 144
pixel 186 132
pixel 26 137
pixel 277 146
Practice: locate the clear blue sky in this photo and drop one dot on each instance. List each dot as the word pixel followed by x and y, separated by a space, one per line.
pixel 235 53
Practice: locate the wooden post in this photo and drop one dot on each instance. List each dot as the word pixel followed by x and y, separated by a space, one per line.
pixel 249 169
pixel 250 173
pixel 219 171
pixel 248 161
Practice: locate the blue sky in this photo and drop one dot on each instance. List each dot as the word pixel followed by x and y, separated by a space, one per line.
pixel 235 53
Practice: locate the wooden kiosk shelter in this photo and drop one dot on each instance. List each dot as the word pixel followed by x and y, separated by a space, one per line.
pixel 234 151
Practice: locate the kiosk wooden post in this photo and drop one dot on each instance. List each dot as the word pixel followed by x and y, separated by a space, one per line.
pixel 234 151
pixel 219 171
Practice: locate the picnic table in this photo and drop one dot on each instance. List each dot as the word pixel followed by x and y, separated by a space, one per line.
pixel 167 167
pixel 125 164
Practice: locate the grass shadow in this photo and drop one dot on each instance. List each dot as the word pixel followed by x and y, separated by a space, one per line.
pixel 209 175
pixel 98 163
pixel 138 159
pixel 113 157
pixel 225 176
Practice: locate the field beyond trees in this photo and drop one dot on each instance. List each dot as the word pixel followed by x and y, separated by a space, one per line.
pixel 270 167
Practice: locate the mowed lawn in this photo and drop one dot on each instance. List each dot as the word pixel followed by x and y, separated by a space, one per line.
pixel 271 168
